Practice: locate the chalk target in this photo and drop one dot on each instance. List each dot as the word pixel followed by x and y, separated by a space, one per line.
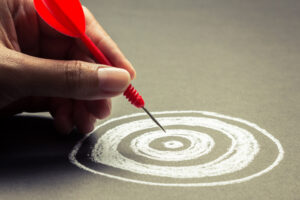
pixel 242 150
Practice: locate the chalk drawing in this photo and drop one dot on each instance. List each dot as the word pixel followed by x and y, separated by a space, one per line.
pixel 242 150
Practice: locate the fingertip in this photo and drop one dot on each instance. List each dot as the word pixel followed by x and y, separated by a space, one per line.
pixel 132 74
pixel 99 108
pixel 63 124
pixel 129 67
pixel 84 120
pixel 113 79
pixel 89 126
pixel 61 110
pixel 106 111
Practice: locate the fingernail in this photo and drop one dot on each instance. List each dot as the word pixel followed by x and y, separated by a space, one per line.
pixel 133 72
pixel 113 79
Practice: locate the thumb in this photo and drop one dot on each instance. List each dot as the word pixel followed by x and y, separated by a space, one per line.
pixel 72 79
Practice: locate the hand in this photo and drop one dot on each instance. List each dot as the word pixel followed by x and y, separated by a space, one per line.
pixel 43 70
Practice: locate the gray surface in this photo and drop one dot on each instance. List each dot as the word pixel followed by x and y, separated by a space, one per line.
pixel 239 58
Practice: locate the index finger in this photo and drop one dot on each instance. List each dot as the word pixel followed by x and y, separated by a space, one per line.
pixel 103 41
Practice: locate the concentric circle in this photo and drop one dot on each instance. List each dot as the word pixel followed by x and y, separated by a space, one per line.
pixel 192 152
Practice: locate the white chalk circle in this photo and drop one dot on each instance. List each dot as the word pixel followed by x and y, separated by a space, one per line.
pixel 243 148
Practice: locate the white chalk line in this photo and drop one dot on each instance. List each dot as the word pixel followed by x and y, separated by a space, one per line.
pixel 73 153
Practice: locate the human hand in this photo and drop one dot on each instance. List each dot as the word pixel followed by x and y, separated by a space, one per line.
pixel 43 70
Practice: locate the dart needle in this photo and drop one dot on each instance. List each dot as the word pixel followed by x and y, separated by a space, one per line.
pixel 158 124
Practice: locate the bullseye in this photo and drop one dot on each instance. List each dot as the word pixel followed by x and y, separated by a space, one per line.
pixel 200 144
pixel 173 144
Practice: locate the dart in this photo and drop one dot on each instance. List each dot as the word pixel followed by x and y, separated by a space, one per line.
pixel 67 17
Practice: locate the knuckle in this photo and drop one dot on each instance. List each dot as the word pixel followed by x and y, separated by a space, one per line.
pixel 73 76
pixel 81 79
pixel 104 40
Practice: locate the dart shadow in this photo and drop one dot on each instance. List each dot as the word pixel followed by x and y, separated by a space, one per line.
pixel 30 145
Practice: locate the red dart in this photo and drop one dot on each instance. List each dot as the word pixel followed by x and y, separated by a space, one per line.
pixel 67 17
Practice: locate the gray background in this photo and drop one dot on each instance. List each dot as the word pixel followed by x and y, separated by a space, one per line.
pixel 239 58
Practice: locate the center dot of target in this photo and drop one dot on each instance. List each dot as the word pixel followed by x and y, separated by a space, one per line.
pixel 173 144
pixel 170 143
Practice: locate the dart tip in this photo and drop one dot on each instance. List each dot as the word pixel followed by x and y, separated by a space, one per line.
pixel 153 118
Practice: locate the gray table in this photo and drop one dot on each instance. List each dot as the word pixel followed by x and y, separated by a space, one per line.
pixel 238 58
